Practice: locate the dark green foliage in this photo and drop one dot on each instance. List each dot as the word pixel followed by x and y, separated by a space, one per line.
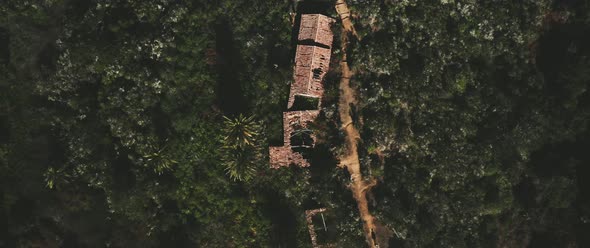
pixel 109 110
pixel 463 97
pixel 112 129
pixel 305 103
pixel 241 148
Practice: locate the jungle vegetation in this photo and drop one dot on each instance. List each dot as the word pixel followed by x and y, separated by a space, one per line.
pixel 145 123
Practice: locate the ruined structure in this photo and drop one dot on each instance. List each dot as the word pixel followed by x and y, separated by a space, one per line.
pixel 311 65
pixel 312 61
pixel 316 28
pixel 311 228
pixel 296 135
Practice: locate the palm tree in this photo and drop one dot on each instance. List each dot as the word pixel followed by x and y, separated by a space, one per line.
pixel 55 177
pixel 159 159
pixel 240 165
pixel 240 131
pixel 240 147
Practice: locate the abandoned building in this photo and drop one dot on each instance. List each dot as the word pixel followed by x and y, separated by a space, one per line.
pixel 311 64
pixel 316 29
pixel 296 135
pixel 310 226
pixel 312 61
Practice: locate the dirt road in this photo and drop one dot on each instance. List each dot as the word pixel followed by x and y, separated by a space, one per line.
pixel 350 159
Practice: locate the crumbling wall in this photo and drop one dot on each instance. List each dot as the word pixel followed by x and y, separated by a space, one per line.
pixel 311 228
pixel 294 120
pixel 283 156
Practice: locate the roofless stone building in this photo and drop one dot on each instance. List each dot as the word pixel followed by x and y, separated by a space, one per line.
pixel 296 135
pixel 312 61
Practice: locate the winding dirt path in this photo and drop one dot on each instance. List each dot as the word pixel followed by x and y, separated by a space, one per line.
pixel 350 159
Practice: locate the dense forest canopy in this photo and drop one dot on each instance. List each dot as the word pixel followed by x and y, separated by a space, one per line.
pixel 145 123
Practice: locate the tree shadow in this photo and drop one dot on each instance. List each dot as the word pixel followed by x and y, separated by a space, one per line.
pixel 230 95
